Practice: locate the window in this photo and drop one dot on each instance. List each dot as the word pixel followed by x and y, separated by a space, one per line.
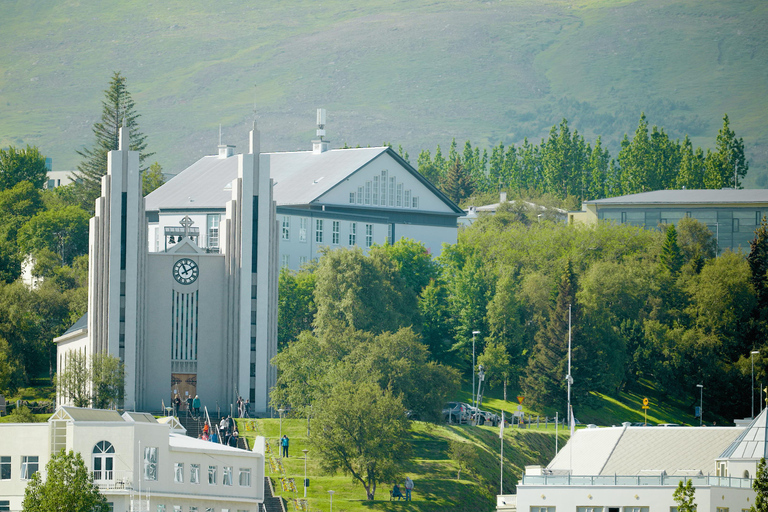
pixel 302 260
pixel 735 225
pixel 194 473
pixel 177 508
pixel 722 509
pixel 319 231
pixel 178 472
pixel 286 227
pixel 542 509
pixel 208 509
pixel 212 475
pixel 161 508
pixel 376 190
pixel 150 463
pixel 391 191
pixel 407 199
pixel 368 235
pixel 103 461
pixel 5 467
pixel 351 198
pixel 359 195
pixel 589 509
pixel 335 232
pixel 29 465
pixel 352 233
pixel 399 200
pixel 635 509
pixel 367 192
pixel 303 229
pixel 227 477
pixel 213 230
pixel 192 509
pixel 390 233
pixel 383 195
pixel 285 260
pixel 245 477
pixel 5 505
pixel 415 202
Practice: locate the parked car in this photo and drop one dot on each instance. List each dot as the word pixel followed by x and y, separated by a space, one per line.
pixel 456 412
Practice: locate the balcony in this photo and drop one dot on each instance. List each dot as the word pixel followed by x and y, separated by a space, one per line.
pixel 113 480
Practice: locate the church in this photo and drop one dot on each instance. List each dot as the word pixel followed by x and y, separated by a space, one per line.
pixel 186 321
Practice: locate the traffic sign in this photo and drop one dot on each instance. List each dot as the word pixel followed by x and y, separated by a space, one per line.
pixel 645 402
pixel 520 399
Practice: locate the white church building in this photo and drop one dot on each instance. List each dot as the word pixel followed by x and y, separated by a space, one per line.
pixel 326 198
pixel 185 321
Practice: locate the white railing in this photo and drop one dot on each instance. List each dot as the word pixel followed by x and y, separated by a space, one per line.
pixel 633 480
pixel 114 480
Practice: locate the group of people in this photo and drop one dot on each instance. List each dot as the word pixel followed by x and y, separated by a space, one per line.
pixel 397 493
pixel 193 405
pixel 243 407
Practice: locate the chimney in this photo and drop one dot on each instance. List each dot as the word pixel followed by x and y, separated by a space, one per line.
pixel 320 145
pixel 226 150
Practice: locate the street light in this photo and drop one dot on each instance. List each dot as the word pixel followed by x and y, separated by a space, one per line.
pixel 281 411
pixel 305 471
pixel 474 333
pixel 701 403
pixel 331 493
pixel 752 382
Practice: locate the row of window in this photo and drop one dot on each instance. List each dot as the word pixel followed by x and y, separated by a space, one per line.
pixel 320 233
pixel 179 508
pixel 383 190
pixel 244 476
pixel 29 466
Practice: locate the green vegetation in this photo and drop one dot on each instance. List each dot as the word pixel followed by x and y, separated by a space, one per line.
pixel 490 72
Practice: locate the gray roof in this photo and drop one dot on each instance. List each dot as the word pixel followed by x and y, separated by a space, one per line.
pixel 751 443
pixel 300 178
pixel 139 417
pixel 635 450
pixel 84 414
pixel 82 323
pixel 707 197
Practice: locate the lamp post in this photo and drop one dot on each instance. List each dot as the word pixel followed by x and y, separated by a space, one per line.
pixel 305 471
pixel 331 493
pixel 701 403
pixel 281 411
pixel 474 333
pixel 752 382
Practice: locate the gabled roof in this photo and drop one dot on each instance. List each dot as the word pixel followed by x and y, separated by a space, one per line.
pixel 751 443
pixel 139 417
pixel 78 414
pixel 697 196
pixel 300 177
pixel 82 323
pixel 639 450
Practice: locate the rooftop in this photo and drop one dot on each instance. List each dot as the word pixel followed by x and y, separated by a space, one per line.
pixel 707 197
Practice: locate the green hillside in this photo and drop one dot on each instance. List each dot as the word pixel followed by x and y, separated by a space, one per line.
pixel 412 73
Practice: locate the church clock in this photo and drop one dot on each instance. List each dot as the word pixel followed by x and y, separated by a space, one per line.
pixel 185 271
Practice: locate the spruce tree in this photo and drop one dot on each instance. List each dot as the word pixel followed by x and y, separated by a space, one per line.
pixel 117 106
pixel 671 257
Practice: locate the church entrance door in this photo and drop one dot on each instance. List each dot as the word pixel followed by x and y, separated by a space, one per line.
pixel 185 385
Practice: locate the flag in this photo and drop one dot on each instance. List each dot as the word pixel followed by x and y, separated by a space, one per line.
pixel 501 429
pixel 572 421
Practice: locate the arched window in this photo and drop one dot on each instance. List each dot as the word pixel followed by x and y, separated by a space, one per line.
pixel 103 461
pixel 746 473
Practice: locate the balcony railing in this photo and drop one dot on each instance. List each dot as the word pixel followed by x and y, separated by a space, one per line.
pixel 637 480
pixel 113 480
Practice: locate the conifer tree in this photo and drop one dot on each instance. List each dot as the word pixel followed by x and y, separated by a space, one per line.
pixel 117 106
pixel 671 257
pixel 457 184
pixel 758 266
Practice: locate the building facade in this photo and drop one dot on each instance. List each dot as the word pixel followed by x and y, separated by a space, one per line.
pixel 326 198
pixel 137 462
pixel 731 215
pixel 185 320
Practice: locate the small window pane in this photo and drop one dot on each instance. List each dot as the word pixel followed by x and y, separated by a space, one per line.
pixel 178 472
pixel 212 475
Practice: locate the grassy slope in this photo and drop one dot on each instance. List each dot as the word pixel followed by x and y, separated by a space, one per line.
pixel 434 474
pixel 416 73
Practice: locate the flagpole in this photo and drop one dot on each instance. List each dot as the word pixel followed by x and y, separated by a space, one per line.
pixel 501 471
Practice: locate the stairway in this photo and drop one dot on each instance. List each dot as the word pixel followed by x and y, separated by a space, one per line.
pixel 272 503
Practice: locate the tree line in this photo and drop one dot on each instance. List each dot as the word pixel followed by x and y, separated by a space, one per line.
pixel 647 306
pixel 565 166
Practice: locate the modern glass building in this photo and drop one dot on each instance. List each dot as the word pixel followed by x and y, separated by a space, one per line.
pixel 732 215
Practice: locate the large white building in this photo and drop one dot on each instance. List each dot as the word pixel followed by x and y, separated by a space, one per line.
pixel 137 462
pixel 326 198
pixel 185 320
pixel 637 469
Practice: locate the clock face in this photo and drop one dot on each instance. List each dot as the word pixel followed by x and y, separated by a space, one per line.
pixel 185 271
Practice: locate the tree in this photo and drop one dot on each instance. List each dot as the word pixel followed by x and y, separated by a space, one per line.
pixel 457 184
pixel 760 486
pixel 11 374
pixel 63 231
pixel 758 264
pixel 671 257
pixel 696 241
pixel 295 305
pixel 727 165
pixel 98 381
pixel 117 107
pixel 68 486
pixel 362 432
pixel 17 165
pixel 152 179
pixel 464 455
pixel 495 361
pixel 684 497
